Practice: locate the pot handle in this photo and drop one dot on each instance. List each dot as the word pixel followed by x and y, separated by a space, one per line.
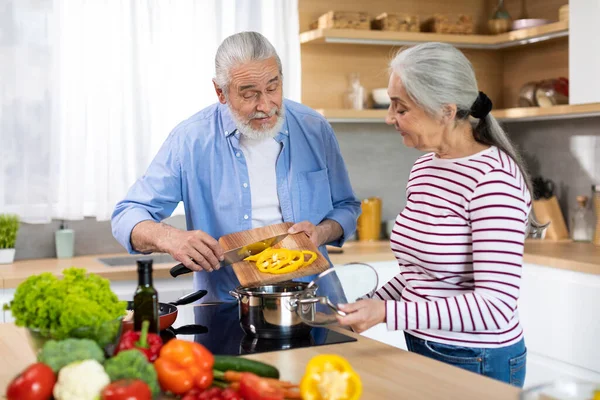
pixel 322 300
pixel 234 294
pixel 189 298
pixel 193 329
pixel 334 308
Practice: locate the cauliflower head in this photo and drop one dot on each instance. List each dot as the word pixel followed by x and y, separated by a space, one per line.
pixel 82 380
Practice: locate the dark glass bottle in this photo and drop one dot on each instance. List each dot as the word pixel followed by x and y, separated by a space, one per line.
pixel 145 300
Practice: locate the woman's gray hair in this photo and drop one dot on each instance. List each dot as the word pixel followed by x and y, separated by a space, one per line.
pixel 241 48
pixel 437 74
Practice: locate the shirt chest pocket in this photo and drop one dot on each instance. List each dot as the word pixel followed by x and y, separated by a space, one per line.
pixel 315 195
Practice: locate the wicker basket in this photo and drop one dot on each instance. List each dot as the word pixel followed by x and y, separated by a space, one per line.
pixel 344 20
pixel 396 22
pixel 441 23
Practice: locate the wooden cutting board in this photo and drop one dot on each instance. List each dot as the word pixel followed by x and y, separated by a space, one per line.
pixel 249 275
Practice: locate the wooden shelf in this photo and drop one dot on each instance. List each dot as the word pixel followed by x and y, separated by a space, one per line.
pixel 487 42
pixel 548 113
pixel 506 115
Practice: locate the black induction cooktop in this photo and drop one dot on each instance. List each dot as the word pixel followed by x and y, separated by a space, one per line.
pixel 216 326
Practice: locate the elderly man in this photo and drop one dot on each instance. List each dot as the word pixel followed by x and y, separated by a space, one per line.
pixel 250 160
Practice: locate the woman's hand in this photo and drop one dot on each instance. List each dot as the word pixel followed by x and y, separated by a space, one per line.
pixel 363 314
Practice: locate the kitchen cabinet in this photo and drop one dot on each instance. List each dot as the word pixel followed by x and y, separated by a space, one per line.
pixel 559 312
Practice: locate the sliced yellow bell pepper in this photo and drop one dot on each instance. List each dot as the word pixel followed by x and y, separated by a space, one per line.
pixel 330 377
pixel 281 261
pixel 312 254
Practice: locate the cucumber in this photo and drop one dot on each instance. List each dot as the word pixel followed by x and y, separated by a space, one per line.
pixel 239 364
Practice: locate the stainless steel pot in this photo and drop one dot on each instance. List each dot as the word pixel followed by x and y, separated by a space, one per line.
pixel 276 311
pixel 289 309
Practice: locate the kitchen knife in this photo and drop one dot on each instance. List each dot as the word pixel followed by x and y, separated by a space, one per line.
pixel 236 255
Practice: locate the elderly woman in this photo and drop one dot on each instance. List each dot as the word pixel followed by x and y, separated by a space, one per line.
pixel 459 240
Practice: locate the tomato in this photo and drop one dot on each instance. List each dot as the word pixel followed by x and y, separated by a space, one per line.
pixel 34 383
pixel 230 394
pixel 252 387
pixel 127 389
pixel 214 393
pixel 192 394
pixel 210 394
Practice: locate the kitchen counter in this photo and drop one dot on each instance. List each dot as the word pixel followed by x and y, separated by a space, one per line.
pixel 386 372
pixel 579 257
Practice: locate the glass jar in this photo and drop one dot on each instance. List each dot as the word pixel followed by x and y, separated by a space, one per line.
pixel 356 94
pixel 369 221
pixel 582 221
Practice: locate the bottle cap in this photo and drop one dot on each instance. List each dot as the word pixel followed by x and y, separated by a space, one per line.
pixel 582 200
pixel 144 264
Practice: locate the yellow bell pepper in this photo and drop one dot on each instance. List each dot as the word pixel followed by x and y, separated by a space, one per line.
pixel 330 377
pixel 313 257
pixel 281 261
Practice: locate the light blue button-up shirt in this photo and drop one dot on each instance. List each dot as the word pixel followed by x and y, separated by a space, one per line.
pixel 201 164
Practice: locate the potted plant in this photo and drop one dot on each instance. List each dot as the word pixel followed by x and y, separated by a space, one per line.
pixel 9 226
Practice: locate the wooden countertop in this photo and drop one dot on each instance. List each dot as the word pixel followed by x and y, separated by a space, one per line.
pixel 386 372
pixel 580 257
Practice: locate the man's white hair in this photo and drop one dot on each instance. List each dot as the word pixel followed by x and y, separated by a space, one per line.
pixel 238 49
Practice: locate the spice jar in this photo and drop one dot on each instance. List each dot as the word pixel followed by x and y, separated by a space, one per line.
pixel 582 223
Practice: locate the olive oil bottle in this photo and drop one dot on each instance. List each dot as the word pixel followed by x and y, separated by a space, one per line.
pixel 145 300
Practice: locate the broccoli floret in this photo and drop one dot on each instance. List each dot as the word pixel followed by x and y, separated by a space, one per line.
pixel 57 354
pixel 132 364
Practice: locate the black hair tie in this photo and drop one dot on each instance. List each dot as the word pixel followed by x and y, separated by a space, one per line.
pixel 482 106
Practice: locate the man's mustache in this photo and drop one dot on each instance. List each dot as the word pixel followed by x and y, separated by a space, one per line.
pixel 260 114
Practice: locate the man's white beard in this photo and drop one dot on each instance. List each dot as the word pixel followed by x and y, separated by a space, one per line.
pixel 256 134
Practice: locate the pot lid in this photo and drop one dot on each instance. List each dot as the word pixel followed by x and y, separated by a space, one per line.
pixel 341 284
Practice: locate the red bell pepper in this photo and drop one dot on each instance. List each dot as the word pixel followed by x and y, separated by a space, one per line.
pixel 148 343
pixel 253 387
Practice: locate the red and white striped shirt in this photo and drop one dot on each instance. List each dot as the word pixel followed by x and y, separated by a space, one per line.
pixel 459 243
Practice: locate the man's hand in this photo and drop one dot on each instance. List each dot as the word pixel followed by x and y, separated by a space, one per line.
pixel 313 232
pixel 197 250
pixel 326 232
pixel 363 314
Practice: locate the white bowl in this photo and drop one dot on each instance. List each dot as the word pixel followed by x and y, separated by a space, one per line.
pixel 528 23
pixel 381 97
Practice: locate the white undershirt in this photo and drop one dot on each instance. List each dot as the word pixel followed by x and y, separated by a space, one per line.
pixel 261 157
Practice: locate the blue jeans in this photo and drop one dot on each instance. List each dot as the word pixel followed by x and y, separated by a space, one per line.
pixel 506 364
